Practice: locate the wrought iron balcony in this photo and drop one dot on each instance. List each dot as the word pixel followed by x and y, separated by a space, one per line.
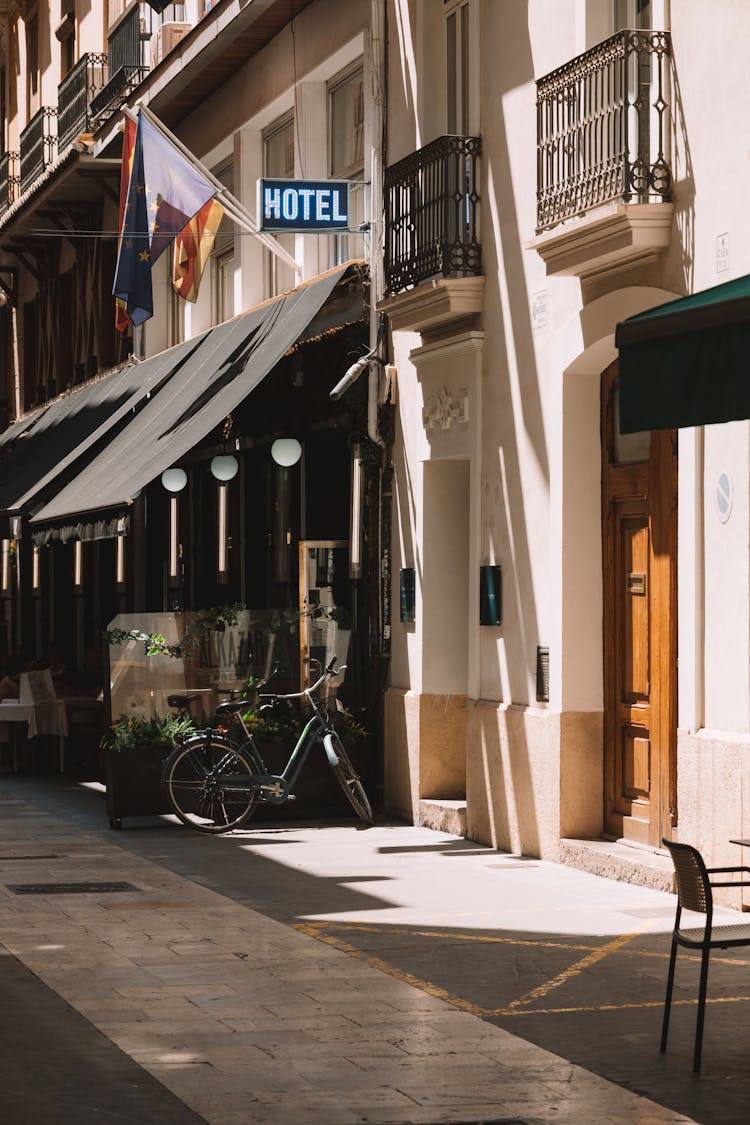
pixel 602 127
pixel 431 201
pixel 75 95
pixel 38 144
pixel 126 56
pixel 8 179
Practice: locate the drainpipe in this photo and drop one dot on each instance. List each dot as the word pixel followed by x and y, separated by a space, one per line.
pixel 378 79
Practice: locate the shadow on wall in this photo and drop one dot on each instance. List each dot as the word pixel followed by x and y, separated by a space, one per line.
pixel 684 188
pixel 512 407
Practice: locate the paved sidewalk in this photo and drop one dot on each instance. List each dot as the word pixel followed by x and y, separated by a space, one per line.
pixel 245 1019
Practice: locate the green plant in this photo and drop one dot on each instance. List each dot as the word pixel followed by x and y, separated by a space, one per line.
pixel 137 733
pixel 347 725
pixel 215 619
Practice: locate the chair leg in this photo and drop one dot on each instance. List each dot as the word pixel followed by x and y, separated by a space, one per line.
pixel 668 997
pixel 701 1011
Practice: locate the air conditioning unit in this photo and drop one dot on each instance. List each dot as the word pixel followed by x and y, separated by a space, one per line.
pixel 166 38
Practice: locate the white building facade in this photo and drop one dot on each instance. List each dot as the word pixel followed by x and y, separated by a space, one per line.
pixel 608 696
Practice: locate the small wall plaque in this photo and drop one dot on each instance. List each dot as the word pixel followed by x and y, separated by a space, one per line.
pixel 637 583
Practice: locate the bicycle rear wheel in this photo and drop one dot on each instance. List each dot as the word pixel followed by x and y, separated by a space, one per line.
pixel 203 783
pixel 348 779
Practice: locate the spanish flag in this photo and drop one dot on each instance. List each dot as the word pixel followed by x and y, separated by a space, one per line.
pixel 193 247
pixel 122 320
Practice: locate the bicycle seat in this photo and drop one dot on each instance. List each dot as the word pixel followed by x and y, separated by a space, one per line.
pixel 181 701
pixel 232 706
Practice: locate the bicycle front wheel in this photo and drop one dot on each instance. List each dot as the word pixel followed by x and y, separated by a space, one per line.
pixel 348 779
pixel 204 783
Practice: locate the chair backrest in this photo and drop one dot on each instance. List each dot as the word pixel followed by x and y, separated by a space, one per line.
pixel 36 687
pixel 693 886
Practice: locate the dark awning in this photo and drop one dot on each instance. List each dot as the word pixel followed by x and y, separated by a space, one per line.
pixel 37 451
pixel 228 363
pixel 686 363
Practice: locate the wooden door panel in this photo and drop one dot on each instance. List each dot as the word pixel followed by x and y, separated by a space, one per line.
pixel 633 607
pixel 639 561
pixel 636 765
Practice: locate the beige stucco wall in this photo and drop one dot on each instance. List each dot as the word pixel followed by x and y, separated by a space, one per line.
pixel 533 776
pixel 714 797
pixel 534 772
pixel 425 749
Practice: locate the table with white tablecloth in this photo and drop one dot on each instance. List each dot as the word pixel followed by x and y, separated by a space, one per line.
pixel 45 717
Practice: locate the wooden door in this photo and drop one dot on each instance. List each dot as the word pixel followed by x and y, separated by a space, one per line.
pixel 639 502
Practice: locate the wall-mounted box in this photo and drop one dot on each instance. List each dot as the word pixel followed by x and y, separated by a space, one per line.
pixel 407 584
pixel 490 595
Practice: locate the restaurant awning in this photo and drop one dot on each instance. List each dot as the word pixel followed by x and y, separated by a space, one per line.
pixel 38 451
pixel 686 363
pixel 228 363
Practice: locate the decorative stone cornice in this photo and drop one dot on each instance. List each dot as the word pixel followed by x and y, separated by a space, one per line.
pixel 434 303
pixel 606 240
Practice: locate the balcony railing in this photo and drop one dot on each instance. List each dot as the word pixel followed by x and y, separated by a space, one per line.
pixel 602 127
pixel 8 179
pixel 38 144
pixel 431 201
pixel 74 96
pixel 126 56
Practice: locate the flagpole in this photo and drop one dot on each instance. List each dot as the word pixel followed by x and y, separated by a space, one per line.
pixel 234 209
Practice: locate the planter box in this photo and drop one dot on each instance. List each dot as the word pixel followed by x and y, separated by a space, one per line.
pixel 133 780
pixel 317 792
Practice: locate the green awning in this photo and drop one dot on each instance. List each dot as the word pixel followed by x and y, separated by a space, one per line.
pixel 687 363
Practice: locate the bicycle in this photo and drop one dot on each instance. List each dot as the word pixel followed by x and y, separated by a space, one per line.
pixel 214 783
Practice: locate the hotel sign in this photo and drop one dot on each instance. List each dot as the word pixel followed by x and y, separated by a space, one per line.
pixel 303 205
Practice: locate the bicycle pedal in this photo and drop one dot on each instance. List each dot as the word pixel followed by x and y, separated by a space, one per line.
pixel 291 797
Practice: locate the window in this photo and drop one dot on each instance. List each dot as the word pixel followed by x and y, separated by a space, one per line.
pixel 32 66
pixel 175 314
pixel 278 164
pixel 174 13
pixel 115 8
pixel 346 117
pixel 632 14
pixel 3 114
pixel 223 256
pixel 457 66
pixel 65 33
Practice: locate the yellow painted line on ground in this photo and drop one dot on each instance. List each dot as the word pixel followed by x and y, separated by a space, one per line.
pixel 490 939
pixel 400 931
pixel 586 962
pixel 611 1007
pixel 317 930
pixel 312 930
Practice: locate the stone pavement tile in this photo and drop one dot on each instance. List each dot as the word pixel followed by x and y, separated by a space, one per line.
pixel 263 1020
pixel 214 1024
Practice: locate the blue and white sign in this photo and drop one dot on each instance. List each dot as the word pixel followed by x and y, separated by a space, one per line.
pixel 303 205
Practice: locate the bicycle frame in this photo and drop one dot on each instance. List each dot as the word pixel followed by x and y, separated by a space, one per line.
pixel 275 789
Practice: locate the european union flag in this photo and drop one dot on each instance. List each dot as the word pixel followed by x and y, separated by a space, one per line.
pixel 164 194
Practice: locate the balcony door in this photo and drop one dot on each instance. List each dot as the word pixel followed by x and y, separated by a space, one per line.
pixel 632 15
pixel 639 534
pixel 457 65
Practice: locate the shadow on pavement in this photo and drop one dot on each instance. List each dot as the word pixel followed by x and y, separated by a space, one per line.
pixel 587 998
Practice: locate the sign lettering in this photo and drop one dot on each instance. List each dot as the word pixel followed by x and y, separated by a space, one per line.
pixel 303 205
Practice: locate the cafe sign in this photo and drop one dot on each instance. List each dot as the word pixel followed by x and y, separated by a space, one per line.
pixel 303 205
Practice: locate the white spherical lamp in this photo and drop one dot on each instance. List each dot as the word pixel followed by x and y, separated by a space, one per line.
pixel 224 468
pixel 174 480
pixel 286 451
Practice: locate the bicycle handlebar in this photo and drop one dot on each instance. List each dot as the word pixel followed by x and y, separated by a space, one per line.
pixel 240 704
pixel 328 674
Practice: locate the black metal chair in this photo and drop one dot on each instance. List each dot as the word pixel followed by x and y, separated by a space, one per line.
pixel 695 892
